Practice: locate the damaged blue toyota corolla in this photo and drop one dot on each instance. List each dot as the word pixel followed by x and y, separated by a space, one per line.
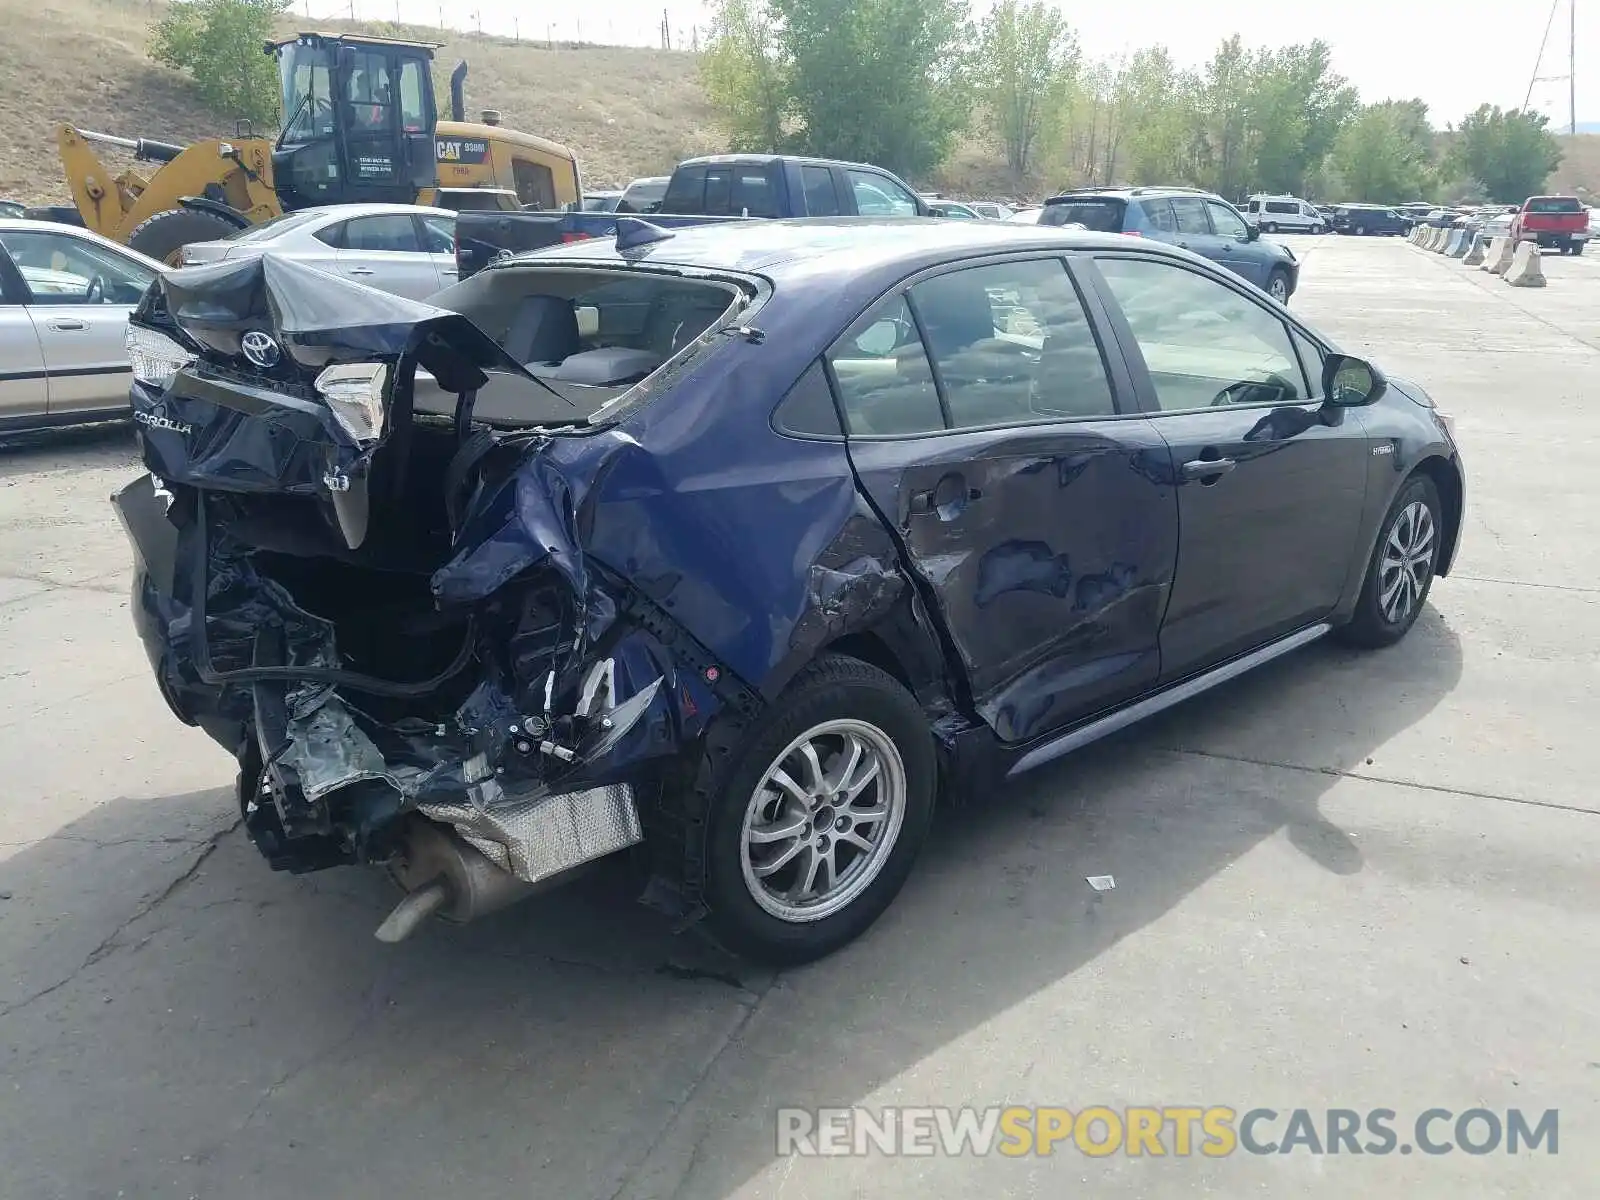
pixel 734 547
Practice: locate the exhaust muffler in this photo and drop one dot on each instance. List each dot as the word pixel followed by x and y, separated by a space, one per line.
pixel 445 876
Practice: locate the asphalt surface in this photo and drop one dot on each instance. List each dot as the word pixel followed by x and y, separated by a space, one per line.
pixel 1351 881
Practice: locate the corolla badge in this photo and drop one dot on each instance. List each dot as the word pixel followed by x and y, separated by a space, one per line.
pixel 260 349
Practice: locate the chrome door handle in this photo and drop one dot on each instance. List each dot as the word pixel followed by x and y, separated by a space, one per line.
pixel 1207 468
pixel 65 324
pixel 360 271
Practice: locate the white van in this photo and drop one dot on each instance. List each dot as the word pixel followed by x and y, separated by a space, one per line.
pixel 1288 213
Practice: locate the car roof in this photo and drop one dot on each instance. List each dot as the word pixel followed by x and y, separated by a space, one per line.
pixel 78 231
pixel 1129 193
pixel 345 211
pixel 842 245
pixel 765 159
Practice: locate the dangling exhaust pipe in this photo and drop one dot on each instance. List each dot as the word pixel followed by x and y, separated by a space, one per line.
pixel 444 875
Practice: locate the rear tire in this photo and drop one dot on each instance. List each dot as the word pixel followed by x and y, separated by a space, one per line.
pixel 1269 227
pixel 163 236
pixel 1360 230
pixel 1400 571
pixel 1577 248
pixel 756 877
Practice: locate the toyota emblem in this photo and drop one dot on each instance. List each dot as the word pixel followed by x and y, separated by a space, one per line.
pixel 260 349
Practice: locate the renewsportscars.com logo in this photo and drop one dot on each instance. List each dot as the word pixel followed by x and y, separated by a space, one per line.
pixel 1157 1132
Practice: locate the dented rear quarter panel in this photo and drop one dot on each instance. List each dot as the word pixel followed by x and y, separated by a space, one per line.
pixel 758 544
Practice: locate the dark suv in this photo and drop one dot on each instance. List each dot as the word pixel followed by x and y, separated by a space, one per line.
pixel 1198 221
pixel 1362 219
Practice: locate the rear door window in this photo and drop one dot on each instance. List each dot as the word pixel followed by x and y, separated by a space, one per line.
pixel 1012 345
pixel 1102 214
pixel 1159 215
pixel 686 191
pixel 821 198
pixel 1554 204
pixel 385 233
pixel 753 193
pixel 1190 214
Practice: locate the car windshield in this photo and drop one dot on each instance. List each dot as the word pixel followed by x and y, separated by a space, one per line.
pixel 599 341
pixel 1101 215
pixel 274 226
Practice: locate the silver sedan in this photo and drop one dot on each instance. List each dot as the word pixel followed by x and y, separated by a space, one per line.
pixel 65 295
pixel 399 248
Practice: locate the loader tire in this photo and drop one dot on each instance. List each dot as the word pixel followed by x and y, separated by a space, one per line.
pixel 163 236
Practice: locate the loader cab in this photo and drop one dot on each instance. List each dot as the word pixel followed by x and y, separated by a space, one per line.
pixel 358 120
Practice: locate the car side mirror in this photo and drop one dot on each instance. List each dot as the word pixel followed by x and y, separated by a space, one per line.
pixel 1251 232
pixel 1350 382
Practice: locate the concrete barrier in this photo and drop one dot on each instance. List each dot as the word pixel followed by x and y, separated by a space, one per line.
pixel 1430 238
pixel 1461 242
pixel 1452 239
pixel 1441 241
pixel 1525 270
pixel 1476 252
pixel 1501 251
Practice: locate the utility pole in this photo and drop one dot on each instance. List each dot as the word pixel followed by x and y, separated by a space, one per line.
pixel 1571 77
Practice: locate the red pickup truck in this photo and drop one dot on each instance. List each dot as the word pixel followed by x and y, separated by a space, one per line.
pixel 1559 221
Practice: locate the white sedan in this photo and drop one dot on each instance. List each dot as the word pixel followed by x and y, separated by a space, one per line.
pixel 65 295
pixel 399 248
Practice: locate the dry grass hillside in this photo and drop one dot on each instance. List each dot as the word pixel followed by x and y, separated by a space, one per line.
pixel 626 112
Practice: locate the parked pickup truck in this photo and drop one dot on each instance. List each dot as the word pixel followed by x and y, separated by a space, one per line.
pixel 724 187
pixel 1559 221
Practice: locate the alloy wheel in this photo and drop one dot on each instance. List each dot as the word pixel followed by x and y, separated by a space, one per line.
pixel 823 821
pixel 1407 562
pixel 1278 289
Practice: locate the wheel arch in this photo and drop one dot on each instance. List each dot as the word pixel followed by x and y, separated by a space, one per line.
pixel 1447 481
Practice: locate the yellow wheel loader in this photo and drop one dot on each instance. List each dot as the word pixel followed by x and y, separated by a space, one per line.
pixel 359 126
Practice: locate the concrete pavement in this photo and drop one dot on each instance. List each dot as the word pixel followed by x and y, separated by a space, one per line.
pixel 1350 880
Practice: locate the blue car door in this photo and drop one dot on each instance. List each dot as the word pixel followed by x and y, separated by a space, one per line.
pixel 998 439
pixel 1243 254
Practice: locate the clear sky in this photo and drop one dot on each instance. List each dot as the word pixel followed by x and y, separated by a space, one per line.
pixel 1455 55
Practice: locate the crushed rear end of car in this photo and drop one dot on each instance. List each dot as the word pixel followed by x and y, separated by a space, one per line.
pixel 383 609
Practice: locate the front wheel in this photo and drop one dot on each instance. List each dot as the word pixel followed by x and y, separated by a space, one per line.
pixel 1400 572
pixel 1360 230
pixel 1577 248
pixel 815 821
pixel 1278 285
pixel 1269 227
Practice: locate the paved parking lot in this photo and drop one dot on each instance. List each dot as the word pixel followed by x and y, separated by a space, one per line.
pixel 1351 881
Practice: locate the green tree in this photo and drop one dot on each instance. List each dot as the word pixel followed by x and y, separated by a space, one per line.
pixel 884 81
pixel 1385 154
pixel 1159 105
pixel 1025 63
pixel 1510 153
pixel 1226 96
pixel 219 42
pixel 746 76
